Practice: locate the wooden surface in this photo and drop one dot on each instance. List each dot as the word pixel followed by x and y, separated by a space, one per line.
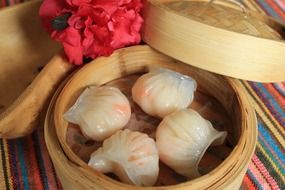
pixel 25 48
pixel 73 170
pixel 211 48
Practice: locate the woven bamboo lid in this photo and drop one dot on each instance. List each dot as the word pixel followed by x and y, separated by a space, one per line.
pixel 218 36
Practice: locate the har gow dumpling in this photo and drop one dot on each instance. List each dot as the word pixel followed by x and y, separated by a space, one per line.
pixel 187 135
pixel 132 156
pixel 162 91
pixel 100 112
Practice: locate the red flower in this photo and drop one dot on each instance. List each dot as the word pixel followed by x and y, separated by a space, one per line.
pixel 92 28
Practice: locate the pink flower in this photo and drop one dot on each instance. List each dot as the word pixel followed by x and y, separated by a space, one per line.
pixel 92 28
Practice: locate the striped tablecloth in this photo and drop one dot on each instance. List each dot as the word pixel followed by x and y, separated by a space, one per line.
pixel 25 164
pixel 5 3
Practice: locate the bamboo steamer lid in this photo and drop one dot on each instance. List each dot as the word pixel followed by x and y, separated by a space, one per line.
pixel 218 36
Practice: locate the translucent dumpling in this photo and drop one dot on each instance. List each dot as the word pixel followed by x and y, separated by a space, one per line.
pixel 182 139
pixel 100 112
pixel 132 156
pixel 162 91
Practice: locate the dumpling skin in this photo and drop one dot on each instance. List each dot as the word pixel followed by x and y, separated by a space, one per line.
pixel 163 91
pixel 132 156
pixel 182 139
pixel 100 112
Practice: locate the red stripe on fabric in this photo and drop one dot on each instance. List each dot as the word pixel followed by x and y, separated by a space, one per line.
pixel 281 4
pixel 265 173
pixel 277 96
pixel 247 183
pixel 276 8
pixel 258 176
pixel 34 172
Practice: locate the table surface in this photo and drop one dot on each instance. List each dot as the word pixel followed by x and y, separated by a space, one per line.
pixel 25 163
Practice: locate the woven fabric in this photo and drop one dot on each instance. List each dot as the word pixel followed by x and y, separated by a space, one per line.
pixel 25 164
pixel 5 3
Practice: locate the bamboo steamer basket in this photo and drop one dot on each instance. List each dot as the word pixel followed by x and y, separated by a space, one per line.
pixel 74 173
pixel 25 86
pixel 226 39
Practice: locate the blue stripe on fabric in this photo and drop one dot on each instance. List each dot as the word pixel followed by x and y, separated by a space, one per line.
pixel 274 147
pixel 24 172
pixel 268 9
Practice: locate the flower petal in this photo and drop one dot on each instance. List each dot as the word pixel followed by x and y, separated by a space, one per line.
pixel 78 2
pixel 73 53
pixel 126 26
pixel 71 41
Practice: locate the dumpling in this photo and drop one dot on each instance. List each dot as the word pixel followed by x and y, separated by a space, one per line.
pixel 132 156
pixel 162 91
pixel 187 135
pixel 100 112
